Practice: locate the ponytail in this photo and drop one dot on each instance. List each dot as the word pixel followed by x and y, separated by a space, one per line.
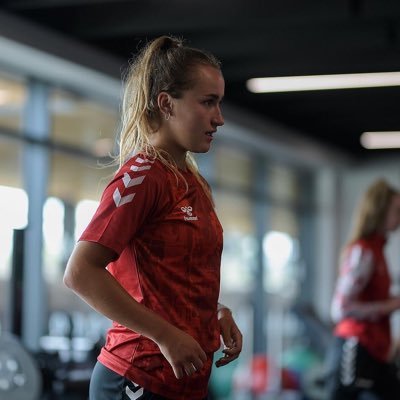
pixel 163 65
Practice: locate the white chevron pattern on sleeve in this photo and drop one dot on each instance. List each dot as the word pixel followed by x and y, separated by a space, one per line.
pixel 130 182
pixel 121 200
pixel 141 160
pixel 136 168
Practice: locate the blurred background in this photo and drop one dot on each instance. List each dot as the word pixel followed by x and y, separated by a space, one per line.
pixel 286 170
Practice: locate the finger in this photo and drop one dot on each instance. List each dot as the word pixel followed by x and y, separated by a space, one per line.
pixel 221 362
pixel 177 372
pixel 203 356
pixel 190 369
pixel 198 365
pixel 232 351
pixel 225 360
pixel 229 355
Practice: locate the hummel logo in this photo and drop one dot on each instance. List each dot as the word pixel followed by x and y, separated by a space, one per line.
pixel 188 210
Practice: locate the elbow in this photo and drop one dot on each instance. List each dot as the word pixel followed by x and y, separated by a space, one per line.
pixel 67 280
pixel 70 278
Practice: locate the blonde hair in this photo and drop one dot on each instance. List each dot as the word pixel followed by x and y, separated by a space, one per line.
pixel 372 210
pixel 163 65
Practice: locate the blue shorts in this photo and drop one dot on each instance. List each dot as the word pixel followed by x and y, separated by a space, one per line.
pixel 108 385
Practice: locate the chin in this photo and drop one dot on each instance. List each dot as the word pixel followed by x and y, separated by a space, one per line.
pixel 199 150
pixel 203 149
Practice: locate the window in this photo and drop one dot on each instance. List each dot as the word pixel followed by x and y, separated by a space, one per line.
pixel 12 101
pixel 83 123
pixel 233 168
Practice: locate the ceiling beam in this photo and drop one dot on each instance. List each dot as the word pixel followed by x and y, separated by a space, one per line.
pixel 334 61
pixel 43 4
pixel 52 42
pixel 32 51
pixel 155 17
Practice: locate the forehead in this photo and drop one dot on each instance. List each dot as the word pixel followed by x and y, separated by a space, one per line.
pixel 208 80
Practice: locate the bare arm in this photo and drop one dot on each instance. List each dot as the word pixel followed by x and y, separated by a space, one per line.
pixel 373 310
pixel 230 334
pixel 87 276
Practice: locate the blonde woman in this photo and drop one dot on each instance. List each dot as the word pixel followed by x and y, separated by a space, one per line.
pixel 362 303
pixel 150 258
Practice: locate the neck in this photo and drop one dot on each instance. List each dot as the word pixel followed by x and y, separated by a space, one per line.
pixel 176 153
pixel 181 165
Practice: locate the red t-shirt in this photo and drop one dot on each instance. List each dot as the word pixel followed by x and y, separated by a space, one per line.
pixel 169 242
pixel 364 273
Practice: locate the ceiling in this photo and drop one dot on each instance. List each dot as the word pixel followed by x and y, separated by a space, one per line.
pixel 260 38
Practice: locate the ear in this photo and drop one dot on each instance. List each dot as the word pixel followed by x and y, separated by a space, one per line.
pixel 164 102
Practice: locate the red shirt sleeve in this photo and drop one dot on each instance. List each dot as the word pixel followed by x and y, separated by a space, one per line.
pixel 126 203
pixel 355 272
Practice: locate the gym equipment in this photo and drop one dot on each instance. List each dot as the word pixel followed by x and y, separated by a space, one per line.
pixel 20 377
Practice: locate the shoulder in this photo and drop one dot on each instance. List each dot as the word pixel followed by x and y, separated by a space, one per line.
pixel 139 169
pixel 138 177
pixel 138 164
pixel 358 254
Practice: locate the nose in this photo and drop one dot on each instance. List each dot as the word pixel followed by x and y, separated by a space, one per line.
pixel 218 119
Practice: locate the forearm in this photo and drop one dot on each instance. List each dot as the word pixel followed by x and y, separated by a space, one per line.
pixel 231 336
pixel 87 276
pixel 372 310
pixel 99 289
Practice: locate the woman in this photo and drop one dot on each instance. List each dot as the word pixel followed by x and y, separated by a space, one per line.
pixel 362 303
pixel 150 258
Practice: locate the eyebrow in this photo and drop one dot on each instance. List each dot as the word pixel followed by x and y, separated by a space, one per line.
pixel 214 96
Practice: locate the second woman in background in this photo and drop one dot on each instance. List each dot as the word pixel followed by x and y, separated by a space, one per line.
pixel 362 304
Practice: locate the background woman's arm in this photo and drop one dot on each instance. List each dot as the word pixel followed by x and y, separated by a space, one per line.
pixel 355 273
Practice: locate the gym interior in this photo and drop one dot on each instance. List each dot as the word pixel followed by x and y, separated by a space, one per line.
pixel 285 203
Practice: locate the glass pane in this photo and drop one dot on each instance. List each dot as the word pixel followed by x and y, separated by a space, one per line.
pixel 282 183
pixel 281 260
pixel 283 219
pixel 10 162
pixel 83 123
pixel 84 212
pixel 74 178
pixel 234 211
pixel 53 238
pixel 73 181
pixel 240 248
pixel 13 209
pixel 13 215
pixel 12 100
pixel 233 168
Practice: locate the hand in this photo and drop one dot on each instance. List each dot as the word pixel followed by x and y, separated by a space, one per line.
pixel 184 353
pixel 231 337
